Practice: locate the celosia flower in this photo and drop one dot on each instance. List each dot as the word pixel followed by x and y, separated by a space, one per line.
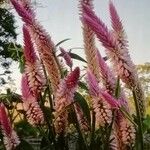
pixel 116 49
pixel 81 118
pixel 33 68
pixel 126 68
pixel 64 97
pixel 110 83
pixel 27 5
pixel 10 137
pixel 34 113
pixel 106 74
pixel 102 102
pixel 125 133
pixel 89 43
pixel 43 42
pixel 67 57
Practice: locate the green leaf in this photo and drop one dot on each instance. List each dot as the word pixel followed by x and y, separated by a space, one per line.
pixel 82 85
pixel 24 145
pixel 59 43
pixel 117 88
pixel 21 65
pixel 83 104
pixel 77 57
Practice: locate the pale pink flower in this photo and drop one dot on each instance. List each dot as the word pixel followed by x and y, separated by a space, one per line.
pixel 28 7
pixel 127 132
pixel 33 68
pixel 124 134
pixel 10 137
pixel 33 111
pixel 103 111
pixel 81 118
pixel 117 51
pixel 64 97
pixel 43 42
pixel 89 42
pixel 107 76
pixel 125 68
pixel 102 102
pixel 24 10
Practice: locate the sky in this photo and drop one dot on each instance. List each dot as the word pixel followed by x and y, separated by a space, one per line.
pixel 61 19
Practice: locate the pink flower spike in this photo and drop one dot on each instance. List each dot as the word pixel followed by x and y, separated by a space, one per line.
pixel 72 78
pixel 114 103
pixel 33 111
pixel 29 52
pixel 26 91
pixel 93 84
pixel 64 97
pixel 115 19
pixel 27 5
pixel 99 28
pixel 4 121
pixel 25 14
pixel 107 75
pixel 33 67
pixel 10 137
pixel 67 57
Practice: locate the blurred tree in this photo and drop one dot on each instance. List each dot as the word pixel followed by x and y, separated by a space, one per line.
pixel 144 76
pixel 7 43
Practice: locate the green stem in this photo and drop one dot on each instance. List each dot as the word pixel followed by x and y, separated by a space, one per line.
pixel 92 130
pixel 79 131
pixel 107 140
pixel 48 121
pixel 139 122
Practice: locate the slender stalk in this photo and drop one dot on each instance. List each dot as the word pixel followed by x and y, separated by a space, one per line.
pixel 107 140
pixel 79 131
pixel 92 130
pixel 140 143
pixel 49 123
pixel 117 94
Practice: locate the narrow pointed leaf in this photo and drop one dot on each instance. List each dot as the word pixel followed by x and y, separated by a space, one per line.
pixel 82 85
pixel 77 57
pixel 59 43
pixel 83 104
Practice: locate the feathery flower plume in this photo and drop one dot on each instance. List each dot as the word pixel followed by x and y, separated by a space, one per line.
pixel 67 57
pixel 115 19
pixel 34 113
pixel 43 42
pixel 127 68
pixel 106 74
pixel 95 90
pixel 81 118
pixel 116 51
pixel 10 137
pixel 24 10
pixel 89 42
pixel 33 68
pixel 125 134
pixel 27 5
pixel 103 103
pixel 110 80
pixel 64 97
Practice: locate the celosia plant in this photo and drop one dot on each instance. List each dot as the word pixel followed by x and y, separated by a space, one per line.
pixel 51 93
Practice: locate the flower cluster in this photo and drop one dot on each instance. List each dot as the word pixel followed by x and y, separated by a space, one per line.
pixel 10 137
pixel 55 97
pixel 34 113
